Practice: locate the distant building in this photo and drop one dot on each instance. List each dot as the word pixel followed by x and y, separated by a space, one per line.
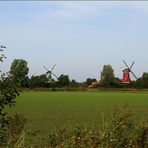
pixel 94 84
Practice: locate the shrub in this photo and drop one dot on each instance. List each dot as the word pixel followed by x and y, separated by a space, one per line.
pixel 121 132
pixel 15 130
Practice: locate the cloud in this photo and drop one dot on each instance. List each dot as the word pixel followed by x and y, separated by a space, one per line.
pixel 134 11
pixel 73 10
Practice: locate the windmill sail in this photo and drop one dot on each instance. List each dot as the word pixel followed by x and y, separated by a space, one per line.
pixel 49 74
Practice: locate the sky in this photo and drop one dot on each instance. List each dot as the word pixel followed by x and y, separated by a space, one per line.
pixel 79 37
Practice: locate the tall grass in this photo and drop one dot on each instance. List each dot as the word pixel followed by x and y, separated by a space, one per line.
pixel 56 118
pixel 121 131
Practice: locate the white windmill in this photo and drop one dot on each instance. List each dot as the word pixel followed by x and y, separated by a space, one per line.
pixel 49 74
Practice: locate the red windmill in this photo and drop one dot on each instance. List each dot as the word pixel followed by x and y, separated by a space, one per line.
pixel 126 73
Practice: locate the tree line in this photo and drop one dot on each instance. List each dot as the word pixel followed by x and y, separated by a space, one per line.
pixel 19 71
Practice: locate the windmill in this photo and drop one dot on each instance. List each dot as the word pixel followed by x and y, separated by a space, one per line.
pixel 126 73
pixel 50 73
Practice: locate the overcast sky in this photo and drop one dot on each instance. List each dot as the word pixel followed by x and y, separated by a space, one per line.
pixel 79 37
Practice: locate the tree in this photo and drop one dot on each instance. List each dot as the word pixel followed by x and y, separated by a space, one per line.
pixel 143 81
pixel 73 83
pixel 26 82
pixel 8 93
pixel 34 81
pixel 107 76
pixel 19 70
pixel 117 83
pixel 63 80
pixel 39 81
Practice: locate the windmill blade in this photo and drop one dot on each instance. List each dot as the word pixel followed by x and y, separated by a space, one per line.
pixel 126 64
pixel 53 67
pixel 1 59
pixel 54 75
pixel 134 75
pixel 3 46
pixel 3 56
pixel 132 65
pixel 46 68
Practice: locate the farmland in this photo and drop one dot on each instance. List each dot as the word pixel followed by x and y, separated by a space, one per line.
pixel 45 110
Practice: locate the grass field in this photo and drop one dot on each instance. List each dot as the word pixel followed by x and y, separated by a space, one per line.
pixel 44 110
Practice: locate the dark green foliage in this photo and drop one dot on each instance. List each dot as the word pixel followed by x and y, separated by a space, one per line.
pixel 39 81
pixel 117 83
pixel 8 93
pixel 139 83
pixel 63 81
pixel 26 82
pixel 107 76
pixel 73 83
pixel 121 129
pixel 90 80
pixel 19 71
pixel 143 81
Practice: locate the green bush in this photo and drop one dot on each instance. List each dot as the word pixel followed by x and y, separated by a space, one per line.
pixel 15 129
pixel 120 132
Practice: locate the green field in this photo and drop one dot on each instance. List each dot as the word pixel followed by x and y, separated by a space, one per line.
pixel 45 110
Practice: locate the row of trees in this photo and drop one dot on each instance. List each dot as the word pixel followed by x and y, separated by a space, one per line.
pixel 19 71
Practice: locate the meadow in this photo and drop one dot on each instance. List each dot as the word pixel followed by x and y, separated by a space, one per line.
pixel 45 110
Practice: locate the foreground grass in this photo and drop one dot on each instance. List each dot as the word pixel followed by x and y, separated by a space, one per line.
pixel 46 110
pixel 119 131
